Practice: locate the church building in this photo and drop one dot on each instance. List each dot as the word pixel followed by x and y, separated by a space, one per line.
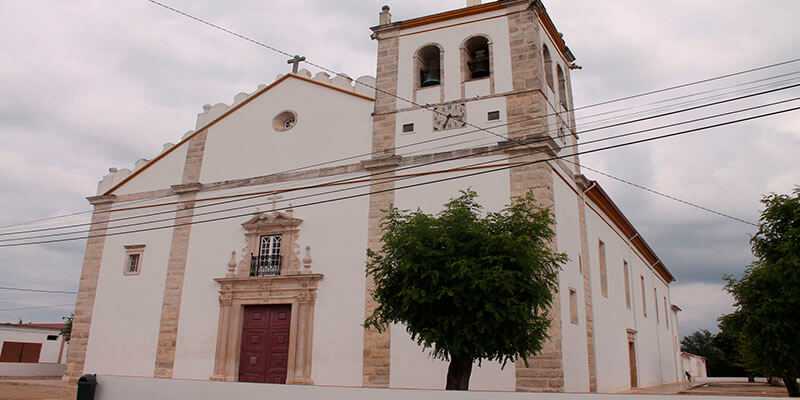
pixel 238 254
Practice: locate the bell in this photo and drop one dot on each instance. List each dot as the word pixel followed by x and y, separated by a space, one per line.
pixel 479 68
pixel 430 77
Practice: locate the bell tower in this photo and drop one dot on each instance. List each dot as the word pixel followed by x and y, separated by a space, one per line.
pixel 448 78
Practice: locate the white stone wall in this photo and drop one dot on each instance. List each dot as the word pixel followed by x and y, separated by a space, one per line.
pixel 126 388
pixel 330 125
pixel 654 346
pixel 411 367
pixel 31 369
pixel 336 233
pixel 576 363
pixel 127 308
pixel 50 348
pixel 450 40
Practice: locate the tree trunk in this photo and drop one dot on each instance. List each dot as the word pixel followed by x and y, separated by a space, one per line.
pixel 751 378
pixel 791 386
pixel 458 373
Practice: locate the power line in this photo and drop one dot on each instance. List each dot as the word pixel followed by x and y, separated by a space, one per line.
pixel 37 307
pixel 636 185
pixel 515 165
pixel 362 178
pixel 256 42
pixel 36 290
pixel 338 74
pixel 466 133
pixel 345 180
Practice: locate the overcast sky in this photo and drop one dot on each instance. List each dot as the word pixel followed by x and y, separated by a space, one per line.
pixel 85 85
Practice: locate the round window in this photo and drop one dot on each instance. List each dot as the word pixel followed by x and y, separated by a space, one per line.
pixel 284 121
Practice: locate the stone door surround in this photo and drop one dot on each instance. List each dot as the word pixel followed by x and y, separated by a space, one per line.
pixel 300 291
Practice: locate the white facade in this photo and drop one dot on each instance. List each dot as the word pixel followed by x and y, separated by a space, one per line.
pixel 169 314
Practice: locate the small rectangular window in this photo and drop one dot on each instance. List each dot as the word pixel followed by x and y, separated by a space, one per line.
pixel 573 306
pixel 655 301
pixel 666 311
pixel 493 115
pixel 52 337
pixel 625 271
pixel 133 259
pixel 601 253
pixel 408 128
pixel 644 299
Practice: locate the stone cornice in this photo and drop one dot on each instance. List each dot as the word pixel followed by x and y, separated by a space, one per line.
pixel 383 162
pixel 104 199
pixel 187 188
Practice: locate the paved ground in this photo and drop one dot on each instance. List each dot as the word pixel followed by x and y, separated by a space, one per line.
pixel 36 389
pixel 737 389
pixel 713 387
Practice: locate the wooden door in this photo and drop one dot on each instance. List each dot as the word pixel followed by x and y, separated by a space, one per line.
pixel 265 344
pixel 20 352
pixel 632 360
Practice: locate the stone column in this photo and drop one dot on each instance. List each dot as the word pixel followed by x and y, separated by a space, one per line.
pixel 84 305
pixel 176 266
pixel 544 373
pixel 587 284
pixel 376 356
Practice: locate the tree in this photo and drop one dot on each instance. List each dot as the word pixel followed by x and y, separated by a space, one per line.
pixel 727 342
pixel 767 297
pixel 699 343
pixel 467 287
pixel 716 349
pixel 67 330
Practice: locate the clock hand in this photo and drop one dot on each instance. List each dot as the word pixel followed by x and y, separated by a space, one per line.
pixel 447 120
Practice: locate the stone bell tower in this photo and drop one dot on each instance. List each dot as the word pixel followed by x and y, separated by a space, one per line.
pixel 501 66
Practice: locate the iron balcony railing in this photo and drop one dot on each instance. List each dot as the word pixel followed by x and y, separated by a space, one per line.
pixel 265 265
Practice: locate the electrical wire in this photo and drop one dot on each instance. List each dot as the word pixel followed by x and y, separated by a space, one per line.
pixel 515 165
pixel 271 192
pixel 37 307
pixel 366 177
pixel 583 107
pixel 36 290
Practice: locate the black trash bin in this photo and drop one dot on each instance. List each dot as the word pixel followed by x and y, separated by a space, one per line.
pixel 86 386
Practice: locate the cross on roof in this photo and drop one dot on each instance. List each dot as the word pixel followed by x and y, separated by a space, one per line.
pixel 275 198
pixel 296 61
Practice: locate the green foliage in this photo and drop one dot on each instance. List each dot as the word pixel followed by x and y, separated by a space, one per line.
pixel 466 285
pixel 720 356
pixel 767 296
pixel 68 327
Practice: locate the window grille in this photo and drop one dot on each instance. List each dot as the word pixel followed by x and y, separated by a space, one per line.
pixel 268 260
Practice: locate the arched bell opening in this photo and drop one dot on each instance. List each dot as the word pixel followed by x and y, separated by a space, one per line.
pixel 428 63
pixel 548 67
pixel 562 87
pixel 477 57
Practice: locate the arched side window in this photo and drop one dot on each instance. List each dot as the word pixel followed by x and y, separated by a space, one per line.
pixel 476 51
pixel 562 87
pixel 548 67
pixel 428 65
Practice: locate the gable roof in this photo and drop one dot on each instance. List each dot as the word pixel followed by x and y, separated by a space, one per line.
pixel 230 111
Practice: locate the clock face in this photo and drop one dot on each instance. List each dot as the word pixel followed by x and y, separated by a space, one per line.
pixel 449 116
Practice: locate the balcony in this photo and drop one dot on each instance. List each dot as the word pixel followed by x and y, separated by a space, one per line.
pixel 265 265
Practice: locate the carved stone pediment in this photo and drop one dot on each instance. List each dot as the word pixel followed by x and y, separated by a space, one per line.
pixel 271 220
pixel 272 223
